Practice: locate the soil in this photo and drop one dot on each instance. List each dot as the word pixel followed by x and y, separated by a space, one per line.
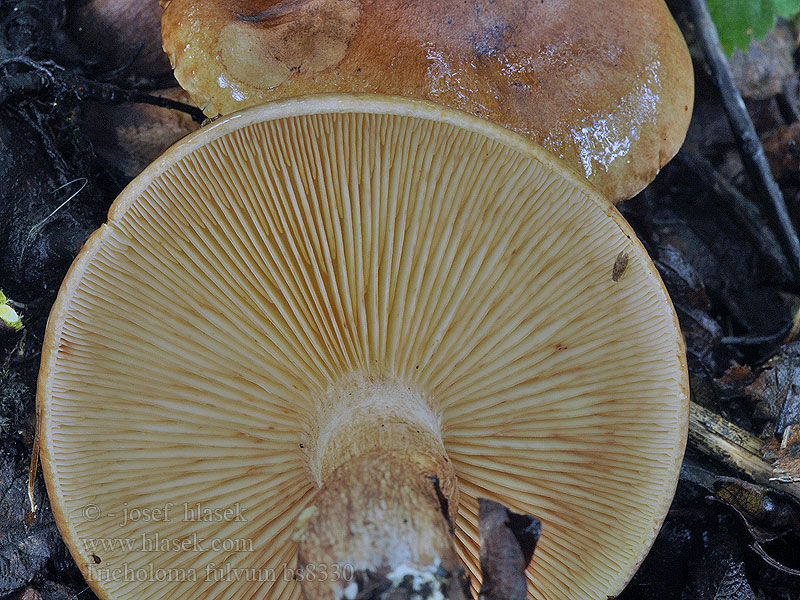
pixel 732 286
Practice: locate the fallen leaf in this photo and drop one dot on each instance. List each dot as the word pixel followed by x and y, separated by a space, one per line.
pixel 776 391
pixel 50 590
pixel 733 382
pixel 682 280
pixel 508 540
pixel 701 331
pixel 784 454
pixel 768 514
pixel 734 584
pixel 736 271
pixel 29 593
pixel 782 147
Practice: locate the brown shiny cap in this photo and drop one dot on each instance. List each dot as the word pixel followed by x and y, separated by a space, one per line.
pixel 608 86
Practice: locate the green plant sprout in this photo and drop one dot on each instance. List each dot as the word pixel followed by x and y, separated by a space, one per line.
pixel 9 318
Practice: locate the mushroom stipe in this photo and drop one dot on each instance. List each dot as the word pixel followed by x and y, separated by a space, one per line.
pixel 302 316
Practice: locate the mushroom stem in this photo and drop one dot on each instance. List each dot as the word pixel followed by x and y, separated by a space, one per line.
pixel 387 499
pixel 382 519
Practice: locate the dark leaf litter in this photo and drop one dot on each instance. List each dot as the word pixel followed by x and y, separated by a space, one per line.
pixel 707 231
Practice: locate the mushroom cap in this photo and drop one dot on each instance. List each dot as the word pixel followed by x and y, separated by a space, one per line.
pixel 608 86
pixel 297 246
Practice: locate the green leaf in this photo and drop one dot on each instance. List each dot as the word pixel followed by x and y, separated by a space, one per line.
pixel 739 21
pixel 9 318
pixel 787 8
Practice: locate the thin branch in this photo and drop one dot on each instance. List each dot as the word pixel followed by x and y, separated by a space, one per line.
pixel 107 93
pixel 757 340
pixel 738 449
pixel 33 470
pixel 41 78
pixel 753 157
pixel 756 547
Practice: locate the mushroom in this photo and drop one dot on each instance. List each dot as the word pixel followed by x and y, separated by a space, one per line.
pixel 607 86
pixel 332 324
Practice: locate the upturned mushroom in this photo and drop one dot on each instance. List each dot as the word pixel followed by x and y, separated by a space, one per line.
pixel 327 326
pixel 608 86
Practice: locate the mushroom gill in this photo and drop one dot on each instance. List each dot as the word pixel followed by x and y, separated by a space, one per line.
pixel 303 284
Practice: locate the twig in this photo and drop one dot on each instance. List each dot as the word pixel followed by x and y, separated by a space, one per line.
pixel 46 67
pixel 757 340
pixel 82 88
pixel 716 437
pixel 753 156
pixel 756 547
pixel 33 470
pixel 107 93
pixel 795 328
pixel 743 209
